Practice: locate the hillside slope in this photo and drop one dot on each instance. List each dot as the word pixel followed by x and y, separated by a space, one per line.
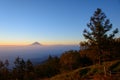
pixel 106 71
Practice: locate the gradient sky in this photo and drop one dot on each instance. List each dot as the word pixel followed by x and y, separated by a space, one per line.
pixel 51 21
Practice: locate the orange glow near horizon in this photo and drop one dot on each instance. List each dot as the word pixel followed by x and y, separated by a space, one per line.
pixel 12 43
pixel 43 43
pixel 60 43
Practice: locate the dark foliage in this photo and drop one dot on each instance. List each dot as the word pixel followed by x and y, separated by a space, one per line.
pixel 70 60
pixel 23 70
pixel 112 68
pixel 97 36
pixel 85 61
pixel 49 68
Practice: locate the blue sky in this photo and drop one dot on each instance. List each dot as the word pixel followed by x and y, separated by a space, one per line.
pixel 51 21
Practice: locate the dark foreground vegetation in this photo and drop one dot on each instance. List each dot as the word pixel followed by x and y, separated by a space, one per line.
pixel 97 59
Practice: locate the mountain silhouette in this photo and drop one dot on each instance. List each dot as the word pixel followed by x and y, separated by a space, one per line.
pixel 36 44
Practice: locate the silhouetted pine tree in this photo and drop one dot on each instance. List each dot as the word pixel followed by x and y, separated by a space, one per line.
pixel 19 69
pixel 97 34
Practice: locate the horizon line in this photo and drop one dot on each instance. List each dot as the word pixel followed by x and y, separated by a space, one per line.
pixel 42 43
pixel 36 45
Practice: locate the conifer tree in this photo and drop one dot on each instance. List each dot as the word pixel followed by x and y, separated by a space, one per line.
pixel 97 35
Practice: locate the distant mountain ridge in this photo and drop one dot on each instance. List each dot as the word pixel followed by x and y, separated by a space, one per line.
pixel 36 44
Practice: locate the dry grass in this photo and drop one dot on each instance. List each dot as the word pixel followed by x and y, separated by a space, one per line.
pixel 94 72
